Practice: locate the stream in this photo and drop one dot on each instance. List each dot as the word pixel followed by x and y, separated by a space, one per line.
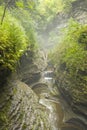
pixel 61 116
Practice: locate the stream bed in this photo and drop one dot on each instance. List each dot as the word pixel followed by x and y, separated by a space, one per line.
pixel 61 116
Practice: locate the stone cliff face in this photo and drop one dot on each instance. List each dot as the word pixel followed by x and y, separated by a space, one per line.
pixel 20 110
pixel 77 11
pixel 19 105
pixel 69 86
pixel 29 71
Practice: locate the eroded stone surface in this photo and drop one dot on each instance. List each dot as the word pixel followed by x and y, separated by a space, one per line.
pixel 20 110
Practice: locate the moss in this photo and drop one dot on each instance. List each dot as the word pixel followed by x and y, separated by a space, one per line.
pixel 14 91
pixel 70 59
pixel 3 117
pixel 4 121
pixel 24 126
pixel 21 116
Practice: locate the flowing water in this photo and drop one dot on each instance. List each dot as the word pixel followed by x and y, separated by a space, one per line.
pixel 60 115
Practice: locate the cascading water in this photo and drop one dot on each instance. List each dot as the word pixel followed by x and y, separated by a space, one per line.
pixel 49 97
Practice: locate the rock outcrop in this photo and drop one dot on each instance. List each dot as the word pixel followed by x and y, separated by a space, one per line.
pixel 72 87
pixel 19 105
pixel 30 68
pixel 78 12
pixel 19 108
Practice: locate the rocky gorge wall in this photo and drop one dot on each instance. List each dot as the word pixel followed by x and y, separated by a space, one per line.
pixel 77 11
pixel 19 108
pixel 19 105
pixel 71 67
pixel 29 70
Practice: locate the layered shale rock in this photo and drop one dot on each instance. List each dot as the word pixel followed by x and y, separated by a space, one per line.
pixel 72 87
pixel 20 110
pixel 30 68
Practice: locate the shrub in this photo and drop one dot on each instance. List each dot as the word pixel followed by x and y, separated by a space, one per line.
pixel 13 42
pixel 70 59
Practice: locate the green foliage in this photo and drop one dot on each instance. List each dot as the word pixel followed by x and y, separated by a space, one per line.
pixel 70 58
pixel 68 4
pixel 47 10
pixel 75 54
pixel 13 42
pixel 42 11
pixel 27 4
pixel 26 21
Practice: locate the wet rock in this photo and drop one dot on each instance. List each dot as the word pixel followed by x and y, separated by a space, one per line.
pixel 4 73
pixel 20 110
pixel 29 70
pixel 77 122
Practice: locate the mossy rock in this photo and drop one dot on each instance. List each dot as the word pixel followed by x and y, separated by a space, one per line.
pixel 70 59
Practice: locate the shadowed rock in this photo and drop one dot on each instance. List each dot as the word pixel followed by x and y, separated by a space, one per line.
pixel 20 110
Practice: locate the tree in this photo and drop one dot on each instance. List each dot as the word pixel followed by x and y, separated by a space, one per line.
pixel 26 4
pixel 6 5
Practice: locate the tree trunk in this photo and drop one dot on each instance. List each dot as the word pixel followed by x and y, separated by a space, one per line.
pixel 4 12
